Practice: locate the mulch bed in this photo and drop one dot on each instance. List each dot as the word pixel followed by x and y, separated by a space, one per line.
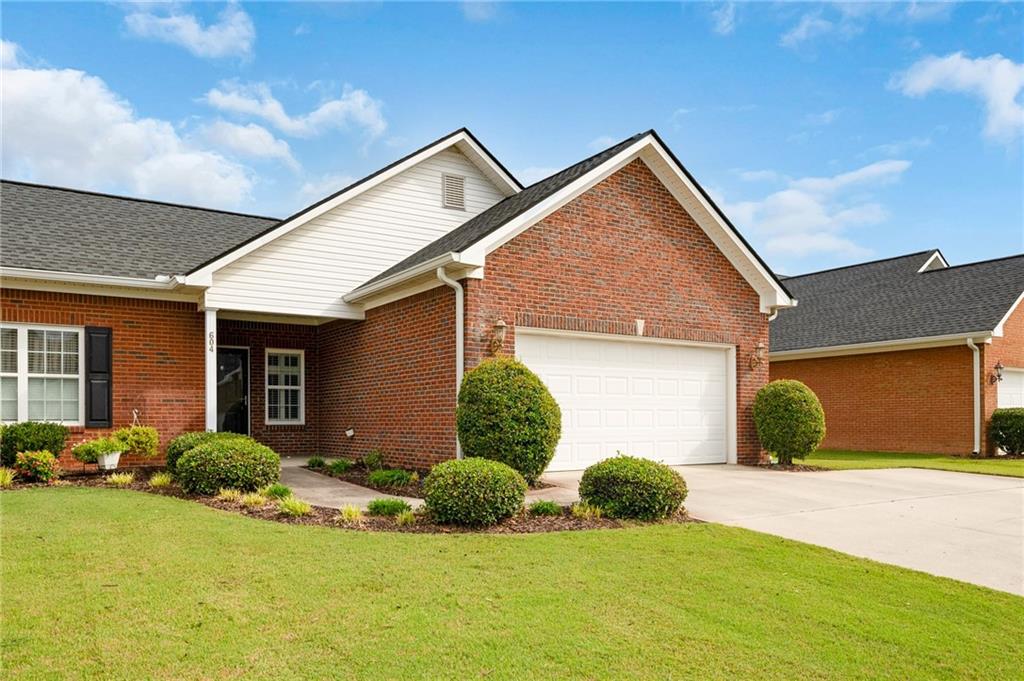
pixel 358 475
pixel 329 517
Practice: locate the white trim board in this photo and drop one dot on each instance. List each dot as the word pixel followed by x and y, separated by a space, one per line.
pixel 881 346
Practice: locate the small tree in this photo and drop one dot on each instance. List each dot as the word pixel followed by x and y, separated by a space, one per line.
pixel 789 418
pixel 506 413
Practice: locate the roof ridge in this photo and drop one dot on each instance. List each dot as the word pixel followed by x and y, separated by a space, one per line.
pixel 977 262
pixel 861 264
pixel 89 192
pixel 631 138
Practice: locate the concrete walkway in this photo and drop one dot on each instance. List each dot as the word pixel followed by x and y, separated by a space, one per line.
pixel 961 525
pixel 323 490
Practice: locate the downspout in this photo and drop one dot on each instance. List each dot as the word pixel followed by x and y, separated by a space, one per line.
pixel 977 394
pixel 460 344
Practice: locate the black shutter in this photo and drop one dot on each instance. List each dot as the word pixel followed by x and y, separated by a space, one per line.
pixel 99 393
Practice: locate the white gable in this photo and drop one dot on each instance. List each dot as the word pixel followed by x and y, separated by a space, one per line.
pixel 307 270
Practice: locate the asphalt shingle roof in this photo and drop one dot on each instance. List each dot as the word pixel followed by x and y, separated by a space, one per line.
pixel 890 300
pixel 67 230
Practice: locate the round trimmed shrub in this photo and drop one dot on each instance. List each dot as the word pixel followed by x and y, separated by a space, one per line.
pixel 506 413
pixel 473 492
pixel 789 418
pixel 186 441
pixel 1007 429
pixel 237 463
pixel 634 488
pixel 31 436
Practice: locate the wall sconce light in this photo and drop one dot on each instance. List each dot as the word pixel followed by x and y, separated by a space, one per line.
pixel 757 356
pixel 997 374
pixel 498 336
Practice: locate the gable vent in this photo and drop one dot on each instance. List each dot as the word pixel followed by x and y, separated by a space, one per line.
pixel 453 192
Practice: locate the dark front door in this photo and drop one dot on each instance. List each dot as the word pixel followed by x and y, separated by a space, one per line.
pixel 233 390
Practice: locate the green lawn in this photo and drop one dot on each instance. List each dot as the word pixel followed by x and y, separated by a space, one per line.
pixel 842 460
pixel 121 584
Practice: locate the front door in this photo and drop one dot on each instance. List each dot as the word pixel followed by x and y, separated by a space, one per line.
pixel 233 390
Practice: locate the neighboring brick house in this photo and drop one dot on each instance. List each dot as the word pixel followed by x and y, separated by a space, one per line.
pixel 907 354
pixel 347 326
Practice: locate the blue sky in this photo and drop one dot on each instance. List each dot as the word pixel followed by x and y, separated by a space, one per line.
pixel 829 133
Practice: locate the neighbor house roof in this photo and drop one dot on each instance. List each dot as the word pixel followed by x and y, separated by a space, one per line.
pixel 69 230
pixel 893 300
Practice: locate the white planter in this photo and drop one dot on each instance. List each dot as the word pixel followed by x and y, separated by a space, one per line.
pixel 108 462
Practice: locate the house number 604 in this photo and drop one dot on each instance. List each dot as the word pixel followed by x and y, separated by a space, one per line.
pixel 213 341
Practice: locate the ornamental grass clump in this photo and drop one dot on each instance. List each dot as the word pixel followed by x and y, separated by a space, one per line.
pixel 276 491
pixel 229 494
pixel 160 480
pixel 253 500
pixel 633 488
pixel 121 479
pixel 339 466
pixel 474 492
pixel 789 418
pixel 315 462
pixel 405 519
pixel 394 477
pixel 293 507
pixel 350 514
pixel 6 477
pixel 388 506
pixel 544 507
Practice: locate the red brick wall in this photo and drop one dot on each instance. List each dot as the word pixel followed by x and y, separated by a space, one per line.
pixel 1008 349
pixel 391 378
pixel 157 353
pixel 622 251
pixel 905 401
pixel 257 337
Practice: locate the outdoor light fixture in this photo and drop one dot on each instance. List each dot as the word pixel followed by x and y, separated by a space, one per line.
pixel 498 336
pixel 757 356
pixel 997 374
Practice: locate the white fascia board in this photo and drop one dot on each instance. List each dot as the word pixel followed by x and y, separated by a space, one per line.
pixel 202 276
pixel 930 260
pixel 1002 322
pixel 368 290
pixel 881 346
pixel 163 282
pixel 482 160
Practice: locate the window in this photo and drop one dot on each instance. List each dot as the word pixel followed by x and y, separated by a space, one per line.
pixel 285 387
pixel 453 192
pixel 41 374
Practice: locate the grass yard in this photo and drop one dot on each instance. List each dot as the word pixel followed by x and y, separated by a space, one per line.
pixel 842 460
pixel 122 584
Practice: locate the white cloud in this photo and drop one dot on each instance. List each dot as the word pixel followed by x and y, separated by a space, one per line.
pixel 812 215
pixel 302 29
pixel 354 109
pixel 759 175
pixel 479 10
pixel 64 126
pixel 848 19
pixel 233 35
pixel 534 174
pixel 724 19
pixel 252 141
pixel 8 54
pixel 995 80
pixel 323 186
pixel 823 118
pixel 601 143
pixel 810 26
pixel 900 147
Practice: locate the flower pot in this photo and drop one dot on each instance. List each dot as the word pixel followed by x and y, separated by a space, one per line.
pixel 108 462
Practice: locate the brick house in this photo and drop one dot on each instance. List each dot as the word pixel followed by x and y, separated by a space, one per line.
pixel 907 354
pixel 347 326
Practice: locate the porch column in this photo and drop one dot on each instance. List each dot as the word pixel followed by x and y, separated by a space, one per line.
pixel 211 368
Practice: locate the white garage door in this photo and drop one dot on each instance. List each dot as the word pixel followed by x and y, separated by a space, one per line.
pixel 660 401
pixel 1011 388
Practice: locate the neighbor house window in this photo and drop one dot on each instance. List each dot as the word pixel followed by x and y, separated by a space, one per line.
pixel 41 374
pixel 285 387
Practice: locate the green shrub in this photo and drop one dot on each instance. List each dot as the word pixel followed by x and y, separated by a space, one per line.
pixel 585 511
pixel 31 436
pixel 160 480
pixel 177 447
pixel 387 506
pixel 239 462
pixel 138 441
pixel 121 479
pixel 90 450
pixel 374 460
pixel 789 418
pixel 315 462
pixel 350 513
pixel 6 477
pixel 506 413
pixel 629 487
pixel 276 491
pixel 1007 430
pixel 393 477
pixel 473 492
pixel 405 518
pixel 290 506
pixel 41 466
pixel 545 507
pixel 339 466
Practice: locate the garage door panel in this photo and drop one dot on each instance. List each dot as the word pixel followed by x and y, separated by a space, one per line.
pixel 1011 388
pixel 661 401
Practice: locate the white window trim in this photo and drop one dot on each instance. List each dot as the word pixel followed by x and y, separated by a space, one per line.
pixel 266 387
pixel 23 373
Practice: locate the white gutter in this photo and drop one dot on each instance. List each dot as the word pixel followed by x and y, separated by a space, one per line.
pixel 159 282
pixel 431 265
pixel 976 364
pixel 460 344
pixel 880 346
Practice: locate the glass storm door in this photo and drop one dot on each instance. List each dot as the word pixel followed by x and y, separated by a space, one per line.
pixel 233 390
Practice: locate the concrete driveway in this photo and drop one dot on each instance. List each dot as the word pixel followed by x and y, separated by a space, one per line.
pixel 961 525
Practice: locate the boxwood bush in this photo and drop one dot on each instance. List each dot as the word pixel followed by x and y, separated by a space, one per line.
pixel 1006 428
pixel 186 441
pixel 31 436
pixel 239 463
pixel 506 413
pixel 629 487
pixel 789 418
pixel 473 492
